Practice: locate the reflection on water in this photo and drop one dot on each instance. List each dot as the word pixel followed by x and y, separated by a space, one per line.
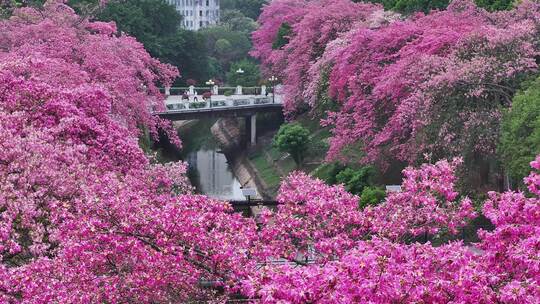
pixel 213 176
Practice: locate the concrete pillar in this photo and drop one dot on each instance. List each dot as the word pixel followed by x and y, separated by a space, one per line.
pixel 191 90
pixel 215 90
pixel 253 129
pixel 247 135
pixel 263 90
pixel 238 90
pixel 167 91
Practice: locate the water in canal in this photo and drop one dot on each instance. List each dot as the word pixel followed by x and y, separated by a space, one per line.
pixel 209 170
pixel 212 175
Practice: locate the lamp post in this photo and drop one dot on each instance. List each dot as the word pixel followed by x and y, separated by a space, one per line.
pixel 272 80
pixel 239 72
pixel 210 83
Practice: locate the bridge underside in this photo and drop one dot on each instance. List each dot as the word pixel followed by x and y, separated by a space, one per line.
pixel 217 112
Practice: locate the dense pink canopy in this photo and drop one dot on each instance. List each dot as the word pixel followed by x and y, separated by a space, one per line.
pixel 86 217
pixel 431 83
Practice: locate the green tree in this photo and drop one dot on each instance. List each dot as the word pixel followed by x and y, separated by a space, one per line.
pixel 249 8
pixel 412 6
pixel 293 139
pixel 496 5
pixel 147 20
pixel 156 24
pixel 282 37
pixel 7 6
pixel 371 196
pixel 356 180
pixel 186 50
pixel 225 46
pixel 250 76
pixel 328 172
pixel 235 21
pixel 520 138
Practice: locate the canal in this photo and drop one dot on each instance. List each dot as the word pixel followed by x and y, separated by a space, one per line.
pixel 209 170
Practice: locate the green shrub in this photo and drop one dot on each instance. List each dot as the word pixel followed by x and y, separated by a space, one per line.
pixel 356 180
pixel 371 196
pixel 282 37
pixel 293 139
pixel 520 136
pixel 328 172
pixel 197 105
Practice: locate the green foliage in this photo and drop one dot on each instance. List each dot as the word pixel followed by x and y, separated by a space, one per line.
pixel 155 24
pixel 235 21
pixel 371 196
pixel 520 138
pixel 147 20
pixel 328 172
pixel 294 139
pixel 223 47
pixel 412 6
pixel 356 180
pixel 214 68
pixel 197 105
pixel 250 77
pixel 226 46
pixel 200 55
pixel 267 171
pixel 7 6
pixel 282 37
pixel 496 5
pixel 249 8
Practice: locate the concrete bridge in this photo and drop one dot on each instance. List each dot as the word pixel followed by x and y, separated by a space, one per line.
pixel 216 102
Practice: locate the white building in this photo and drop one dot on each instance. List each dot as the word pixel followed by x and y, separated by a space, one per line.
pixel 197 13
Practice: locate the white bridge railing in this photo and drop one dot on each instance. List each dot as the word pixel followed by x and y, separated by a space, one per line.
pixel 189 99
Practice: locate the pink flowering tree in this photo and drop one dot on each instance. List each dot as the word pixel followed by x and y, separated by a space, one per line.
pixel 55 46
pixel 326 221
pixel 382 268
pixel 80 201
pixel 85 217
pixel 433 83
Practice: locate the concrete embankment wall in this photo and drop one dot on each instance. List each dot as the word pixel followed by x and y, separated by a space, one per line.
pixel 228 133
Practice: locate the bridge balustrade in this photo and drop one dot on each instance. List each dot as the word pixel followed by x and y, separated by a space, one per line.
pixel 193 103
pixel 215 90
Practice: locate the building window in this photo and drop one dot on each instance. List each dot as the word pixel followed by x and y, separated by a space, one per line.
pixel 200 23
pixel 200 13
pixel 207 2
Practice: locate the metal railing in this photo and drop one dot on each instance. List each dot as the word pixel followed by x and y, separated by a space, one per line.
pixel 197 103
pixel 215 90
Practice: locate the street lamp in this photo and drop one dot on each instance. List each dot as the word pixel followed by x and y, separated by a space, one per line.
pixel 272 80
pixel 211 84
pixel 239 72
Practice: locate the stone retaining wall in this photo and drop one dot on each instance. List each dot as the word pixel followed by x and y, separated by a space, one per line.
pixel 229 135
